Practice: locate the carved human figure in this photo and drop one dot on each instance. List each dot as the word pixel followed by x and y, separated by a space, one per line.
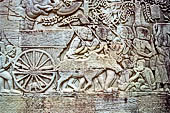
pixel 82 44
pixel 6 59
pixel 127 36
pixel 142 46
pixel 105 37
pixel 143 80
pixel 99 50
pixel 123 80
pixel 122 44
pixel 160 68
pixel 113 68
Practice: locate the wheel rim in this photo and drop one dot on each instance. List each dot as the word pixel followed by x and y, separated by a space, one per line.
pixel 33 71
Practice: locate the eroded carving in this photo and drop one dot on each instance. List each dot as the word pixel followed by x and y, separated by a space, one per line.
pixel 7 57
pixel 96 45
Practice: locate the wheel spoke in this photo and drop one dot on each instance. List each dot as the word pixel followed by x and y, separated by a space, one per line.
pixel 18 72
pixel 28 59
pixel 44 63
pixel 39 59
pixel 38 82
pixel 45 76
pixel 42 80
pixel 50 67
pixel 24 63
pixel 22 70
pixel 26 82
pixel 33 58
pixel 23 77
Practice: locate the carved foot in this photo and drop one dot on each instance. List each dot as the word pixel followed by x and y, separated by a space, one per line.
pixel 50 91
pixel 5 91
pixel 67 90
pixel 111 89
pixel 15 91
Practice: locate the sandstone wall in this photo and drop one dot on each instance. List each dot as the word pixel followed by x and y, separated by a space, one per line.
pixel 84 56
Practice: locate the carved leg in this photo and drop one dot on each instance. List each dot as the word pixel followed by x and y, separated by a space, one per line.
pixel 110 77
pixel 70 83
pixel 61 80
pixel 89 83
pixel 101 79
pixel 131 87
pixel 1 84
pixel 6 75
pixel 82 81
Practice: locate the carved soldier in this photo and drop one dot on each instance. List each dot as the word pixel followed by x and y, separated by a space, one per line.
pixel 7 57
pixel 142 43
pixel 82 44
pixel 143 47
pixel 160 68
pixel 143 80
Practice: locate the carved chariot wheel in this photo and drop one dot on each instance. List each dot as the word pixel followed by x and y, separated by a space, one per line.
pixel 33 71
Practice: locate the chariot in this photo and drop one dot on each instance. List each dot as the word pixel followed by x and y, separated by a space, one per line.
pixel 34 68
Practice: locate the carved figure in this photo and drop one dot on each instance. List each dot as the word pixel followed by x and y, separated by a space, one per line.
pixel 35 85
pixel 111 46
pixel 143 80
pixel 143 45
pixel 161 73
pixel 35 8
pixel 6 60
pixel 82 44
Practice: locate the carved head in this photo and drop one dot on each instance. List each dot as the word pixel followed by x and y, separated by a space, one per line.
pixel 116 44
pixel 140 65
pixel 10 51
pixel 85 33
pixel 142 33
pixel 124 31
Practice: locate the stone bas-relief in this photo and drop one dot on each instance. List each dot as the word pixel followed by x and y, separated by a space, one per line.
pixel 85 46
pixel 8 55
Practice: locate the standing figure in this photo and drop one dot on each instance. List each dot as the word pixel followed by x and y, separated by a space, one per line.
pixel 7 57
pixel 160 71
pixel 142 46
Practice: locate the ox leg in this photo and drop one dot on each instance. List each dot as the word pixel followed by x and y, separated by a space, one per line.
pixel 70 83
pixel 101 78
pixel 110 77
pixel 89 83
pixel 82 81
pixel 61 80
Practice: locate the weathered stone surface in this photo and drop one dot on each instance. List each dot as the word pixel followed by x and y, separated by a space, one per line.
pixel 46 38
pixel 85 103
pixel 84 56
